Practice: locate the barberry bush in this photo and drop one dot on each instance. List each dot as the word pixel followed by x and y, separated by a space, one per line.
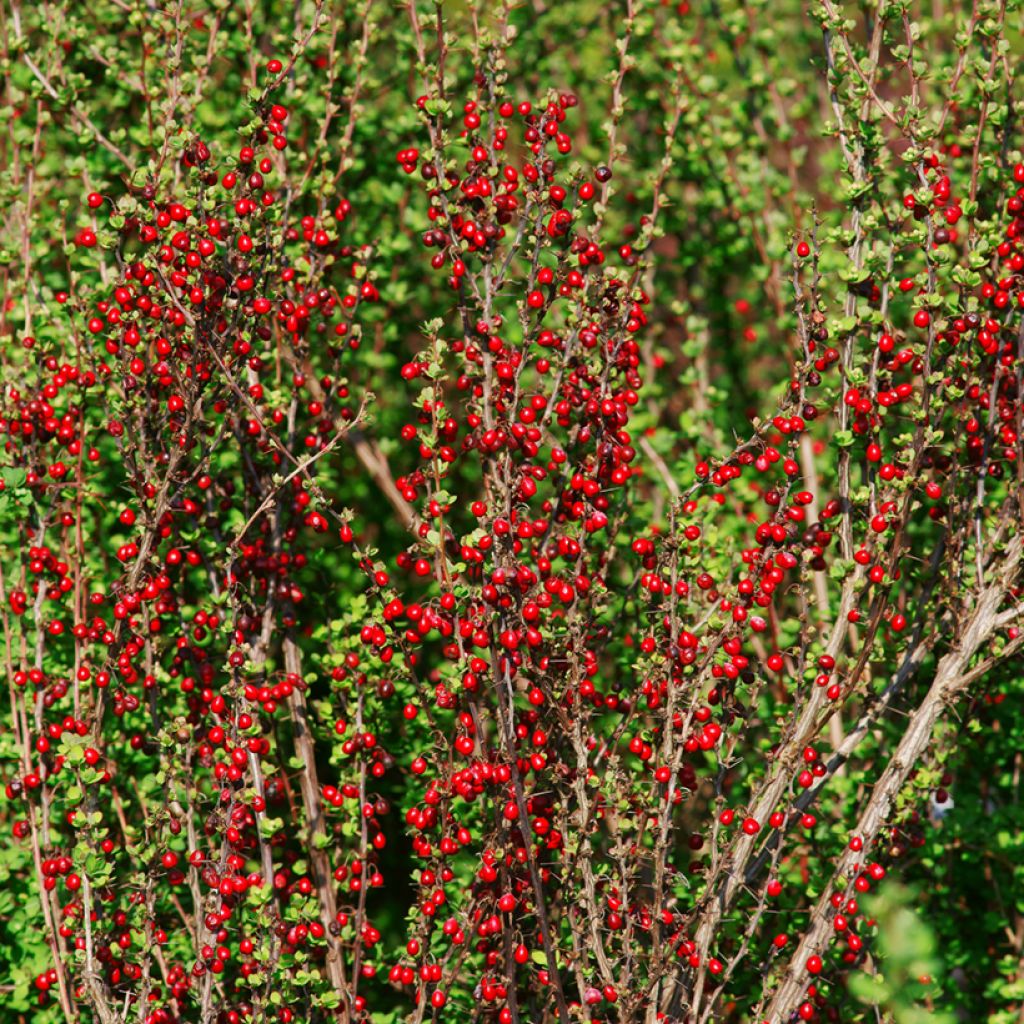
pixel 511 512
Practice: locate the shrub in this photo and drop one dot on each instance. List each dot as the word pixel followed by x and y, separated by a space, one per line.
pixel 576 628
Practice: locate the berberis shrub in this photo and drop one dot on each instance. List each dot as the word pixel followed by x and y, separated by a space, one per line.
pixel 511 512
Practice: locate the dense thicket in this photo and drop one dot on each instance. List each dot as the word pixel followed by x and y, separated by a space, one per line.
pixel 511 513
